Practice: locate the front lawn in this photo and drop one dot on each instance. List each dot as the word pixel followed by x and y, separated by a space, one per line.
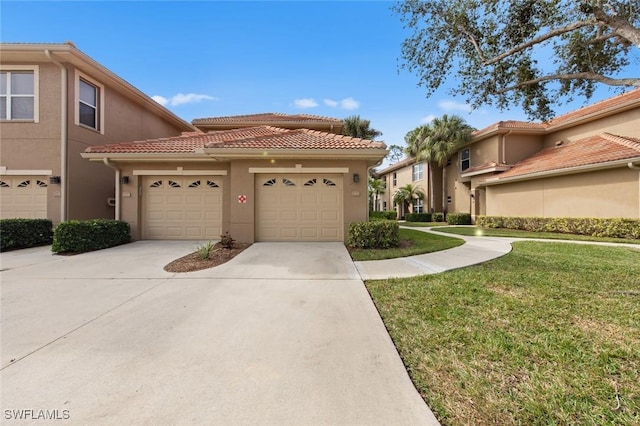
pixel 411 243
pixel 548 334
pixel 501 232
pixel 423 224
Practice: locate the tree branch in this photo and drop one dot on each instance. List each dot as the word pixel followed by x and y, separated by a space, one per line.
pixel 618 25
pixel 577 76
pixel 553 33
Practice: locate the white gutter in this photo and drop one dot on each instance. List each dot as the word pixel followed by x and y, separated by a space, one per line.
pixel 118 196
pixel 633 166
pixel 64 176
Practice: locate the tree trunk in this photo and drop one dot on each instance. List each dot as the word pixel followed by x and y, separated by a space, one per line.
pixel 432 205
pixel 444 189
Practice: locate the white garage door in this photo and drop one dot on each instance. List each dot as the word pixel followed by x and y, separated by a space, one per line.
pixel 299 208
pixel 23 197
pixel 182 207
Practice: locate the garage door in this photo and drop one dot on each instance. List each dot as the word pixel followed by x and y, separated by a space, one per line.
pixel 182 207
pixel 23 197
pixel 299 208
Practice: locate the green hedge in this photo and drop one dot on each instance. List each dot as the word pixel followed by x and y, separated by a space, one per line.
pixel 377 234
pixel 79 236
pixel 418 217
pixel 24 233
pixel 459 218
pixel 612 228
pixel 437 217
pixel 385 215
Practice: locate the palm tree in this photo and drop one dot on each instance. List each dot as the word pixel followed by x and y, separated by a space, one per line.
pixel 406 195
pixel 357 127
pixel 440 140
pixel 377 187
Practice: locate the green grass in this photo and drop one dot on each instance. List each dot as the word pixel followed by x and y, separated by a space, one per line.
pixel 423 224
pixel 548 334
pixel 412 243
pixel 501 232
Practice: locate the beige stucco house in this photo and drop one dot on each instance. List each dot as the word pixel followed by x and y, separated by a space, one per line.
pixel 585 163
pixel 55 101
pixel 263 177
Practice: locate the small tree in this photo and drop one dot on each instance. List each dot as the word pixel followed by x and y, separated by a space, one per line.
pixel 407 195
pixel 377 187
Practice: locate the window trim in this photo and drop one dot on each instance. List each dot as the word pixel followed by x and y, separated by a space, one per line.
pixel 420 172
pixel 36 91
pixel 463 159
pixel 100 88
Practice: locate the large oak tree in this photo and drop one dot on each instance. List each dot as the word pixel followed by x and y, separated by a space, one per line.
pixel 528 52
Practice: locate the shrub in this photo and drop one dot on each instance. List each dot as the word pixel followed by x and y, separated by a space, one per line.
pixel 385 215
pixel 226 241
pixel 24 233
pixel 418 217
pixel 437 217
pixel 595 227
pixel 204 251
pixel 79 236
pixel 380 234
pixel 459 218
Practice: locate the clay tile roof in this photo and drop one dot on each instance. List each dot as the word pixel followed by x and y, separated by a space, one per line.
pixel 267 118
pixel 629 97
pixel 510 124
pixel 596 149
pixel 484 166
pixel 298 139
pixel 262 137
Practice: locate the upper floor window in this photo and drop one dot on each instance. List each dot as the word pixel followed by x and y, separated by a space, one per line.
pixel 395 179
pixel 465 159
pixel 18 93
pixel 89 103
pixel 417 172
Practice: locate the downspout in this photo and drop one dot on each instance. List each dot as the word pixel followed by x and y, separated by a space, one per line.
pixel 504 147
pixel 64 131
pixel 118 171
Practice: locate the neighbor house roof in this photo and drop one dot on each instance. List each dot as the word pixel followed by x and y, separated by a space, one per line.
pixel 594 150
pixel 255 138
pixel 288 121
pixel 68 53
pixel 396 166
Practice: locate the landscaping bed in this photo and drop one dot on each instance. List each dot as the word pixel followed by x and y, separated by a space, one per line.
pixel 218 256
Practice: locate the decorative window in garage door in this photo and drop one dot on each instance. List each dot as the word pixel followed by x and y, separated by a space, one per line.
pixel 288 182
pixel 270 182
pixel 328 182
pixel 174 184
pixel 156 184
pixel 4 184
pixel 311 182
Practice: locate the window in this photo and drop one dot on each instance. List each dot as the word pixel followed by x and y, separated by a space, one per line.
pixel 89 103
pixel 465 159
pixel 418 206
pixel 417 172
pixel 18 93
pixel 395 179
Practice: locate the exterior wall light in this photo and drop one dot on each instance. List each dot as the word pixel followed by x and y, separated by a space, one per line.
pixel 124 179
pixel 54 179
pixel 356 178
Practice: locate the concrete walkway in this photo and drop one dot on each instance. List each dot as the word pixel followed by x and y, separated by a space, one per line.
pixel 475 250
pixel 284 334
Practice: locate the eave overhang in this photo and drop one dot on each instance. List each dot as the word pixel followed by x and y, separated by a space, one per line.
pixel 142 157
pixel 369 154
pixel 493 169
pixel 561 172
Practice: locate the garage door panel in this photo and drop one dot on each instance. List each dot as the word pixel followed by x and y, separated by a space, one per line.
pixel 23 197
pixel 299 207
pixel 182 208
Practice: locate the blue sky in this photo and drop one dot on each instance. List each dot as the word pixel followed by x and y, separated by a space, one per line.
pixel 210 58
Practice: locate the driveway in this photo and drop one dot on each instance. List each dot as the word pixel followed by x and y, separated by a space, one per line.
pixel 285 333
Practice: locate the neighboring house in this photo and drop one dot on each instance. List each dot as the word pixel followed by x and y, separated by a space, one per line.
pixel 582 164
pixel 244 176
pixel 55 101
pixel 585 163
pixel 409 171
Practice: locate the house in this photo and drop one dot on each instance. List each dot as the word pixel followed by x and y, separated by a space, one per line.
pixel 402 173
pixel 55 102
pixel 262 177
pixel 585 163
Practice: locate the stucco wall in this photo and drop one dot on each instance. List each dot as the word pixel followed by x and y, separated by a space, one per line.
pixel 604 194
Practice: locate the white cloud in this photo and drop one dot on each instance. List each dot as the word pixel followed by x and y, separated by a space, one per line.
pixel 182 98
pixel 331 103
pixel 428 119
pixel 349 103
pixel 454 106
pixel 305 103
pixel 161 100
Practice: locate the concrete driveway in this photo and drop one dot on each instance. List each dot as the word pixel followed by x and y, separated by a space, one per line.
pixel 283 334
